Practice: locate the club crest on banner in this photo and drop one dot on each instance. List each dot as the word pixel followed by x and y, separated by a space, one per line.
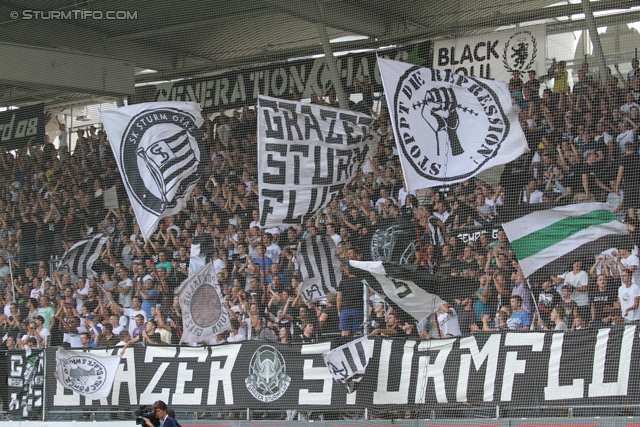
pixel 449 125
pixel 268 379
pixel 162 142
pixel 204 314
pixel 394 241
pixel 520 52
pixel 82 373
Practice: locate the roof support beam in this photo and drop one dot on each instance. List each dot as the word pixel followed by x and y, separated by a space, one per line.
pixel 431 32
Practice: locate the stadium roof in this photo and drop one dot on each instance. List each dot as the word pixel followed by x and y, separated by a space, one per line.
pixel 182 39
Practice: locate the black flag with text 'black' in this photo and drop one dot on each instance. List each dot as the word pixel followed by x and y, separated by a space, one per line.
pixel 80 258
pixel 409 288
pixel 348 362
pixel 319 266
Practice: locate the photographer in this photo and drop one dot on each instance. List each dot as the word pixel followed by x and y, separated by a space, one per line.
pixel 161 413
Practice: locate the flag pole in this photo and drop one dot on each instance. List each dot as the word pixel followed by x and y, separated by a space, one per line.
pixel 535 303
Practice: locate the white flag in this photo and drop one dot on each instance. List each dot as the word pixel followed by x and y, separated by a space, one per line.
pixel 156 148
pixel 348 362
pixel 319 266
pixel 449 127
pixel 90 374
pixel 204 313
pixel 306 154
pixel 79 259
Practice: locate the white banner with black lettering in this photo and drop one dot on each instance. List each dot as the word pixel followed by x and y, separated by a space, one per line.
pixel 306 154
pixel 494 55
pixel 449 127
pixel 319 266
pixel 89 374
pixel 348 362
pixel 156 147
pixel 204 313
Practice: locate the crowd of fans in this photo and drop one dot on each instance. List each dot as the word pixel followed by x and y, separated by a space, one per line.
pixel 583 148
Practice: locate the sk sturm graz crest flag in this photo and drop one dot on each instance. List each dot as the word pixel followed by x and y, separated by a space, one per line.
pixel 306 154
pixel 204 313
pixel 319 266
pixel 557 237
pixel 449 127
pixel 156 148
pixel 348 362
pixel 80 258
pixel 408 288
pixel 89 374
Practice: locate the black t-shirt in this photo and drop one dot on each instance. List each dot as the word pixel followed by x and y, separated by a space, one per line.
pixel 594 172
pixel 29 230
pixel 631 163
pixel 351 289
pixel 601 299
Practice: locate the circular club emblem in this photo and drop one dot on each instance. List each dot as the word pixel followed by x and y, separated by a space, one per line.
pixel 520 52
pixel 161 143
pixel 83 374
pixel 268 379
pixel 449 125
pixel 205 307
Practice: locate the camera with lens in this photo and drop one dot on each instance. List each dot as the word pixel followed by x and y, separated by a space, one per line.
pixel 146 412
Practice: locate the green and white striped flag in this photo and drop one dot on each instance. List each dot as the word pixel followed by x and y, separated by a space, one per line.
pixel 568 232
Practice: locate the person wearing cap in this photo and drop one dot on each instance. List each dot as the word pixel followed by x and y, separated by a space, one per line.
pixel 148 294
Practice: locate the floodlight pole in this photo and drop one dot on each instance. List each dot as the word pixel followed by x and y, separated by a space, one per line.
pixel 331 60
pixel 599 62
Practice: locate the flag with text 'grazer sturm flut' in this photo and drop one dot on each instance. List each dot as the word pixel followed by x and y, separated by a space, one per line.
pixel 89 374
pixel 306 154
pixel 156 147
pixel 449 127
pixel 557 237
pixel 79 259
pixel 319 266
pixel 407 288
pixel 204 312
pixel 348 362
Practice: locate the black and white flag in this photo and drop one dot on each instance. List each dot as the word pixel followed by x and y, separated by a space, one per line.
pixel 306 154
pixel 348 362
pixel 79 259
pixel 319 266
pixel 156 148
pixel 409 288
pixel 204 313
pixel 449 127
pixel 89 374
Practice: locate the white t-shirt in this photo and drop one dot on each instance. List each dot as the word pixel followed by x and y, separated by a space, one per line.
pixel 630 261
pixel 623 138
pixel 125 300
pixel 73 339
pixel 336 238
pixel 576 280
pixel 627 298
pixel 131 314
pixel 273 251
